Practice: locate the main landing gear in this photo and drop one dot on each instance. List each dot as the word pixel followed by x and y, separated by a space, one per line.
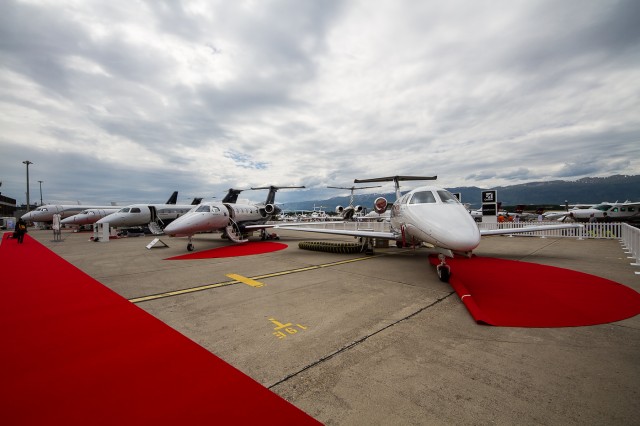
pixel 190 246
pixel 264 235
pixel 444 270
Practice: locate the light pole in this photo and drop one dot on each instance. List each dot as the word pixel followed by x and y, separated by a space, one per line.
pixel 40 191
pixel 27 162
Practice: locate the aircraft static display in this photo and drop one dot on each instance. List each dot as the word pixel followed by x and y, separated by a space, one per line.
pixel 427 215
pixel 88 216
pixel 234 220
pixel 617 212
pixel 349 211
pixel 145 215
pixel 45 213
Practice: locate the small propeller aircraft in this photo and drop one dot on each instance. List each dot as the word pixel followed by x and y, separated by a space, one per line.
pixel 429 215
pixel 234 220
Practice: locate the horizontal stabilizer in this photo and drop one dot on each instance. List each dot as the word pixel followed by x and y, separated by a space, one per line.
pixel 395 179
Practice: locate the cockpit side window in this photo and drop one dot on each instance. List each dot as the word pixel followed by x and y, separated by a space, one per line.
pixel 447 197
pixel 135 210
pixel 214 209
pixel 423 197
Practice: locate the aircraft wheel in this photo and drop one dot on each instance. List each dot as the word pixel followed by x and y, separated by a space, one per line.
pixel 444 272
pixel 399 244
pixel 190 247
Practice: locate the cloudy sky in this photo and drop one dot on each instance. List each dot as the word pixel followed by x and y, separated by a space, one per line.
pixel 128 101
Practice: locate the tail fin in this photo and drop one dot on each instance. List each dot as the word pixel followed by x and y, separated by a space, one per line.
pixel 173 199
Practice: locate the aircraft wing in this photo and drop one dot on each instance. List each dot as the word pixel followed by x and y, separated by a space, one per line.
pixel 359 233
pixel 274 225
pixel 507 231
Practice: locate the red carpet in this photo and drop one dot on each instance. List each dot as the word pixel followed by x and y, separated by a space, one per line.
pixel 521 294
pixel 76 353
pixel 233 250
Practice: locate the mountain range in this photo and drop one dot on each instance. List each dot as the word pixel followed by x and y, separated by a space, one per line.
pixel 590 190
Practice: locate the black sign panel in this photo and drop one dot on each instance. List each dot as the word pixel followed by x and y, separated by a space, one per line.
pixel 489 209
pixel 490 196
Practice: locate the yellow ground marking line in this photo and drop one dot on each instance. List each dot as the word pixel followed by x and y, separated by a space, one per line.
pixel 258 277
pixel 245 280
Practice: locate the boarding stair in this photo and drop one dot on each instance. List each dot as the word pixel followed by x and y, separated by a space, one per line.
pixel 155 228
pixel 233 232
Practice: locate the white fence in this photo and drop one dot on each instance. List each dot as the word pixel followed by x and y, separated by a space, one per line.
pixel 589 230
pixel 630 240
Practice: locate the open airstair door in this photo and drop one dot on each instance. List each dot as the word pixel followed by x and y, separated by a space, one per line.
pixel 153 225
pixel 234 233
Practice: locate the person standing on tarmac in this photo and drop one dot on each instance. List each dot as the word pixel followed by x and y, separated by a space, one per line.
pixel 20 230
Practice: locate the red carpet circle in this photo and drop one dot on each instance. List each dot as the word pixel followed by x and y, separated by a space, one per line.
pixel 520 294
pixel 233 250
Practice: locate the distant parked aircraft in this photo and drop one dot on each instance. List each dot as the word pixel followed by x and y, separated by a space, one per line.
pixel 234 220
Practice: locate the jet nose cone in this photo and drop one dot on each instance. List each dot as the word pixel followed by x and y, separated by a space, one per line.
pixel 178 226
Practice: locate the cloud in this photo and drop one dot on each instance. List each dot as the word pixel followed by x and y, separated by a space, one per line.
pixel 204 96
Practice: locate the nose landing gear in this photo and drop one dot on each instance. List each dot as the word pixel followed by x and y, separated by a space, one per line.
pixel 444 270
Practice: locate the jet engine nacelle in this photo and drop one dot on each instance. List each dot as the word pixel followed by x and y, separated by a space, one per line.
pixel 339 209
pixel 269 209
pixel 358 209
pixel 380 205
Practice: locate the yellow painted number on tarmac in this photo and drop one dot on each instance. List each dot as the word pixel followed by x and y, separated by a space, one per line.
pixel 289 328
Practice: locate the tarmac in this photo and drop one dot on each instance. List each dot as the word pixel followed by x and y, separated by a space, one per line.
pixel 354 339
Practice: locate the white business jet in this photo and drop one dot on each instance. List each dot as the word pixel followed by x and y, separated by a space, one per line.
pixel 45 213
pixel 145 215
pixel 427 215
pixel 88 216
pixel 349 211
pixel 236 221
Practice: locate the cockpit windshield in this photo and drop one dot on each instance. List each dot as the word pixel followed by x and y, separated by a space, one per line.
pixel 422 197
pixel 203 209
pixel 602 207
pixel 124 210
pixel 447 197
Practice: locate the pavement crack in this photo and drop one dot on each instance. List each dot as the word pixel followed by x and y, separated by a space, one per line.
pixel 357 342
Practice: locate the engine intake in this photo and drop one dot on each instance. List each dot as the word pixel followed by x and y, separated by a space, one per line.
pixel 380 205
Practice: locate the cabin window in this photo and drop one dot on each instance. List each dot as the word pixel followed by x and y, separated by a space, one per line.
pixel 632 209
pixel 423 197
pixel 447 197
